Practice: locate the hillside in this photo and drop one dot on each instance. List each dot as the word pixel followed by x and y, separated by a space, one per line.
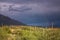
pixel 4 20
pixel 29 33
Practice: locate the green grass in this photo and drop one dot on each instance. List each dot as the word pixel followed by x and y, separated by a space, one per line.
pixel 29 33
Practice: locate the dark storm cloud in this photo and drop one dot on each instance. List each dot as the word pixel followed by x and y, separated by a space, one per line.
pixel 46 3
pixel 55 2
pixel 38 5
pixel 21 0
pixel 39 10
pixel 20 9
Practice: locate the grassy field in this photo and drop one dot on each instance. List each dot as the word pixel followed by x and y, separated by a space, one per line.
pixel 29 33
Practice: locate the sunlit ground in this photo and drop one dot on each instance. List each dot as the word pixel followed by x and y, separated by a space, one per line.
pixel 29 33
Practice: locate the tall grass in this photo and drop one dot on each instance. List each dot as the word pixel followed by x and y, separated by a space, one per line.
pixel 29 33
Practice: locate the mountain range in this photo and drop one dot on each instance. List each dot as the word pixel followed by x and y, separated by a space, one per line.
pixel 4 20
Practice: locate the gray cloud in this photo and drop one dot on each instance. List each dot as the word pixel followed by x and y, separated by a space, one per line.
pixel 46 3
pixel 19 9
pixel 38 5
pixel 34 11
pixel 33 1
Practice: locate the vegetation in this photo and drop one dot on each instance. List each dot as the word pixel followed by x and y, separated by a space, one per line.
pixel 29 33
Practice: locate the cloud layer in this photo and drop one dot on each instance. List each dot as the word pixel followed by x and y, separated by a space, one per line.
pixel 37 5
pixel 34 11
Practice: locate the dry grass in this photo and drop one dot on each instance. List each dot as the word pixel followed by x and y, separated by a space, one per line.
pixel 29 33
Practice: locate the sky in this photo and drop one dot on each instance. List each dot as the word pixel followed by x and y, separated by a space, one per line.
pixel 32 12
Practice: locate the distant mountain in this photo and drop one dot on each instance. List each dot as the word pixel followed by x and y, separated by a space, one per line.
pixel 4 20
